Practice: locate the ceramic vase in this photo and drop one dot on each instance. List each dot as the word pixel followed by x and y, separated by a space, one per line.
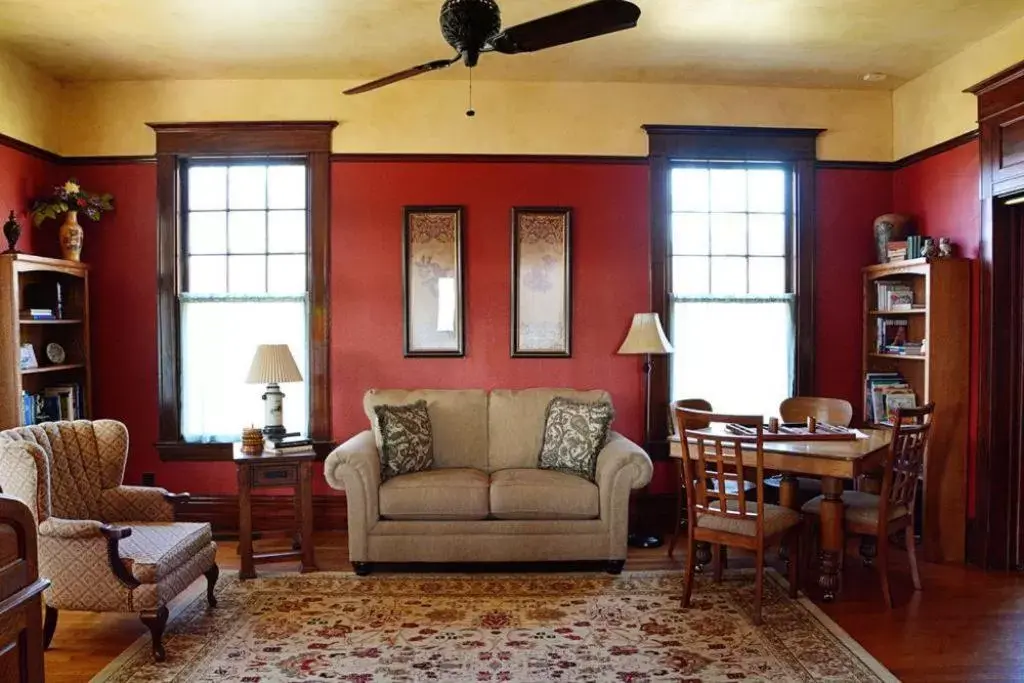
pixel 890 227
pixel 71 237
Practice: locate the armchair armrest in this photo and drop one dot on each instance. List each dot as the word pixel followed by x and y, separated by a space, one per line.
pixel 70 529
pixel 139 504
pixel 354 467
pixel 114 534
pixel 90 532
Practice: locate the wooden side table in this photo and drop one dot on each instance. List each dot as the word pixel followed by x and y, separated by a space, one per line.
pixel 293 470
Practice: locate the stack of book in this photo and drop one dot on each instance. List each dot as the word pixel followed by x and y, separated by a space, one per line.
pixel 285 446
pixel 897 251
pixel 890 335
pixel 59 402
pixel 884 392
pixel 894 296
pixel 37 314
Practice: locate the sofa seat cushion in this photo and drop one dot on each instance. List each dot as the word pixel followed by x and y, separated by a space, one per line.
pixel 457 493
pixel 155 550
pixel 542 494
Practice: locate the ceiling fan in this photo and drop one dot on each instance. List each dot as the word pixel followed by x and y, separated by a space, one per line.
pixel 473 27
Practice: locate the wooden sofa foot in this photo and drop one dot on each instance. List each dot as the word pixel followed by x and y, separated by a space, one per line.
pixel 362 568
pixel 615 566
pixel 156 622
pixel 49 626
pixel 212 574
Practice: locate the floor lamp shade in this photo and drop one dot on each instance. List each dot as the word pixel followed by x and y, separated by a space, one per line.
pixel 646 336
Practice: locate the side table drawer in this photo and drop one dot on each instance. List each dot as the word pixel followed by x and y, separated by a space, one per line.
pixel 281 475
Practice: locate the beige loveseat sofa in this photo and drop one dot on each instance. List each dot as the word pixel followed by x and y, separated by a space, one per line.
pixel 485 500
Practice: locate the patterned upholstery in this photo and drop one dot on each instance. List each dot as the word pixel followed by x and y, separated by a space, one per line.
pixel 70 474
pixel 776 519
pixel 860 508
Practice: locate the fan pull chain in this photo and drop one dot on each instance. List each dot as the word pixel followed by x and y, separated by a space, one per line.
pixel 471 112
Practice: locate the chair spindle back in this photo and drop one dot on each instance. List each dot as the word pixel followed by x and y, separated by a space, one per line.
pixel 905 459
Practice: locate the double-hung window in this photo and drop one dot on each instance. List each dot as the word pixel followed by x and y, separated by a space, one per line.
pixel 733 307
pixel 244 283
pixel 243 255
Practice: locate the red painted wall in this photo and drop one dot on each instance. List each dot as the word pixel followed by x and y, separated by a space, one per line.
pixel 848 201
pixel 943 193
pixel 611 282
pixel 23 177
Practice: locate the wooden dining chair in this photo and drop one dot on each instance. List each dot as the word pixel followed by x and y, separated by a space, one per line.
pixel 724 516
pixel 880 516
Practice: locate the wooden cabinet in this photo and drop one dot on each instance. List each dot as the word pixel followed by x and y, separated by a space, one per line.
pixel 28 282
pixel 941 374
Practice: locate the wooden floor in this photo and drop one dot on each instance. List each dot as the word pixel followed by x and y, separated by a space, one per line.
pixel 967 625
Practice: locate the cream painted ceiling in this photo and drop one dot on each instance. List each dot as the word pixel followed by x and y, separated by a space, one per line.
pixel 820 43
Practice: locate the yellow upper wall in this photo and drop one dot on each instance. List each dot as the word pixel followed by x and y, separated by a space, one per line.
pixel 29 104
pixel 427 116
pixel 933 108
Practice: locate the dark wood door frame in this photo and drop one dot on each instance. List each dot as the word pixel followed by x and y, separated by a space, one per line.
pixel 994 535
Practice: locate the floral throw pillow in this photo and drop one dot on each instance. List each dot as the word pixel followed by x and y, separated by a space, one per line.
pixel 574 434
pixel 407 441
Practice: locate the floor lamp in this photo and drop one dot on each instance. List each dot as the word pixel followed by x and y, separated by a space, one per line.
pixel 646 338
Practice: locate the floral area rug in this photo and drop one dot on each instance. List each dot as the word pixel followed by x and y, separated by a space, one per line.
pixel 523 628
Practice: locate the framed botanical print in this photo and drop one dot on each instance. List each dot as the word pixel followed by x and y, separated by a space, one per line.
pixel 542 282
pixel 434 315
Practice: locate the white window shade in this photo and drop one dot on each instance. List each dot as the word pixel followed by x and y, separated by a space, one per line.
pixel 219 336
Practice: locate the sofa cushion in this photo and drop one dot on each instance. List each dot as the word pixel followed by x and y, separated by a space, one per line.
pixel 440 494
pixel 407 443
pixel 542 494
pixel 155 550
pixel 458 420
pixel 574 434
pixel 516 423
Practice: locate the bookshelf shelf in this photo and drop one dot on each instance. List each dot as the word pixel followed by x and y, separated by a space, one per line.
pixel 896 356
pixel 63 321
pixel 53 368
pixel 941 375
pixel 63 390
pixel 897 314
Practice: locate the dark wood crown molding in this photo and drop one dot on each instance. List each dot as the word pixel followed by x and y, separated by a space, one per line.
pixel 733 143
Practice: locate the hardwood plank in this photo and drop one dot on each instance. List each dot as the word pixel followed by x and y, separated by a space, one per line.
pixel 967 625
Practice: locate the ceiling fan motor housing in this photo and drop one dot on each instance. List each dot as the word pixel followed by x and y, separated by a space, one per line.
pixel 467 25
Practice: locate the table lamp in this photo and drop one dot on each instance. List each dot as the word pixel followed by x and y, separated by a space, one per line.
pixel 273 364
pixel 646 338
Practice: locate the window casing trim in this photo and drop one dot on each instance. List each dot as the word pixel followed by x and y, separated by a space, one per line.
pixel 309 141
pixel 670 146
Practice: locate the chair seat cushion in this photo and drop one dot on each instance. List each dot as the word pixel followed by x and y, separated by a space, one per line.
pixel 155 550
pixel 542 494
pixel 456 493
pixel 776 519
pixel 860 508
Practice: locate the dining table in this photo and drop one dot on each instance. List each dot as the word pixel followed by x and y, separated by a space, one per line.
pixel 834 462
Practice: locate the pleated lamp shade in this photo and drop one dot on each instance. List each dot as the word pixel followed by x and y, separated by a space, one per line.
pixel 646 336
pixel 273 364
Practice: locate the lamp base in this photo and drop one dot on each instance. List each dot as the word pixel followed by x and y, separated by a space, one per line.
pixel 275 432
pixel 644 541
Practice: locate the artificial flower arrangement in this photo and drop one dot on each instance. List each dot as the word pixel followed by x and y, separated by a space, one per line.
pixel 71 197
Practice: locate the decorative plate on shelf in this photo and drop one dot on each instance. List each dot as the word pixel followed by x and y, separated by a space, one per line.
pixel 55 352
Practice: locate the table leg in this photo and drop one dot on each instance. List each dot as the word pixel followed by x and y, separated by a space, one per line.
pixel 832 537
pixel 789 489
pixel 306 493
pixel 248 570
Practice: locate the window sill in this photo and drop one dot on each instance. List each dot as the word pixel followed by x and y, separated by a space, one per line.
pixel 183 451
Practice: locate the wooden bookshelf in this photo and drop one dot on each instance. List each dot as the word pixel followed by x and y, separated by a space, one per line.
pixel 28 281
pixel 942 375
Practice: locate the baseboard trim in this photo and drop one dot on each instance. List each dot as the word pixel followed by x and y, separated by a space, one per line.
pixel 269 513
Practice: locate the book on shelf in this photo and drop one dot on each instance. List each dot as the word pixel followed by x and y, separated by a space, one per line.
pixel 889 333
pixel 288 445
pixel 894 296
pixel 898 400
pixel 877 386
pixel 37 314
pixel 52 404
pixel 896 251
pixel 285 450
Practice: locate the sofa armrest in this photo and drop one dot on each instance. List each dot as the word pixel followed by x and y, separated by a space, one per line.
pixel 354 467
pixel 138 504
pixel 620 457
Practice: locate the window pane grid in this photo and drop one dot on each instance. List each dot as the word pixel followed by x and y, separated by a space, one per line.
pixel 253 216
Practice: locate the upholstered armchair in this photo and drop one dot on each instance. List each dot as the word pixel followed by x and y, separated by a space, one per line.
pixel 105 547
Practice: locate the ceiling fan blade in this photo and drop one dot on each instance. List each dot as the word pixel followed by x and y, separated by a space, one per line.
pixel 402 75
pixel 593 19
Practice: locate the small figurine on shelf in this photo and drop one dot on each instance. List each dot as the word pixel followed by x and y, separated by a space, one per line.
pixel 945 247
pixel 928 249
pixel 12 231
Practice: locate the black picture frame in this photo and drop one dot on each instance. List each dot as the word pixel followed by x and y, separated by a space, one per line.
pixel 524 220
pixel 429 225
